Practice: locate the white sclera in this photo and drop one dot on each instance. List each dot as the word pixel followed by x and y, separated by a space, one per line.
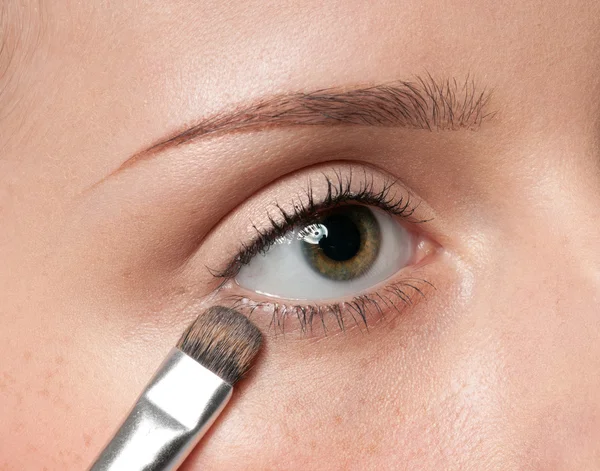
pixel 284 272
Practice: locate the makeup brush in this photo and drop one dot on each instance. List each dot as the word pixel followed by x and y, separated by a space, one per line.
pixel 185 395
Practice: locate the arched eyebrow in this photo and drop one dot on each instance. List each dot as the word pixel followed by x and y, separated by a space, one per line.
pixel 424 103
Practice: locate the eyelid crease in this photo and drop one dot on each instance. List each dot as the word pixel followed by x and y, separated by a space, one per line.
pixel 339 191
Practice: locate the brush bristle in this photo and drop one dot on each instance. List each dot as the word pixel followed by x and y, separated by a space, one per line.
pixel 222 340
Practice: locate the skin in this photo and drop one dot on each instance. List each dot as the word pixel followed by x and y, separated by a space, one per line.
pixel 496 368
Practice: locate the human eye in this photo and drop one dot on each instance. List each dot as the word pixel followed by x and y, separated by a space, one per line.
pixel 340 252
pixel 342 255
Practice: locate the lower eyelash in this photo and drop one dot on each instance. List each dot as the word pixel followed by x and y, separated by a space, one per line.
pixel 356 312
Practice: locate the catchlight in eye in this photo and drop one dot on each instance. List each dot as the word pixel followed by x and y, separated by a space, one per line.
pixel 344 252
pixel 348 245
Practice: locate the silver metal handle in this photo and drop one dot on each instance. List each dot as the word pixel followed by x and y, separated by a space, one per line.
pixel 178 406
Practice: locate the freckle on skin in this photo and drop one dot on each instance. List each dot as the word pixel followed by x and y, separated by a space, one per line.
pixel 372 448
pixel 51 374
pixel 338 419
pixel 59 401
pixel 66 340
pixel 8 378
pixel 18 427
pixel 5 381
pixel 87 440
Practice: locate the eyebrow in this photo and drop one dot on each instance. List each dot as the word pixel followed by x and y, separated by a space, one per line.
pixel 424 103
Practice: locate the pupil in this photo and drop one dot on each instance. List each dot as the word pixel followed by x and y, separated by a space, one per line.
pixel 343 239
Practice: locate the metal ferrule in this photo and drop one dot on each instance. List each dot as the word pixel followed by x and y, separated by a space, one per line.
pixel 175 410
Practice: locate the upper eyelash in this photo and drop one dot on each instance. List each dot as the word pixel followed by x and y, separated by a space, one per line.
pixel 339 191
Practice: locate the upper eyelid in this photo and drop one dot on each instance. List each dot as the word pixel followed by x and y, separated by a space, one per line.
pixel 340 190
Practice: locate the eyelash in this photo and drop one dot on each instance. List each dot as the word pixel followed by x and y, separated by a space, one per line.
pixel 358 308
pixel 339 192
pixel 306 211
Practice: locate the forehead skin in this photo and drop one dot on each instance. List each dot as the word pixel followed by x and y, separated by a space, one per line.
pixel 499 370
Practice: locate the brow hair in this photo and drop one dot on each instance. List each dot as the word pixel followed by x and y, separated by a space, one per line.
pixel 424 103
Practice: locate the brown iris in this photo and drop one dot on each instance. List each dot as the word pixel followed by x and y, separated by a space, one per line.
pixel 350 246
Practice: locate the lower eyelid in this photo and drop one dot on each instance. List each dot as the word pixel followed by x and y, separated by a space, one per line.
pixel 396 296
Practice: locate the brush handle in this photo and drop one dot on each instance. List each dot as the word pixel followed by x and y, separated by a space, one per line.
pixel 178 406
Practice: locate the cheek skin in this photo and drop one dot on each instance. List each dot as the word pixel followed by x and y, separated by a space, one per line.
pixel 409 392
pixel 64 392
pixel 550 359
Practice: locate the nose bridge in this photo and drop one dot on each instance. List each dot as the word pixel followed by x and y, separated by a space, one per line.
pixel 564 269
pixel 547 250
pixel 561 224
pixel 578 246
